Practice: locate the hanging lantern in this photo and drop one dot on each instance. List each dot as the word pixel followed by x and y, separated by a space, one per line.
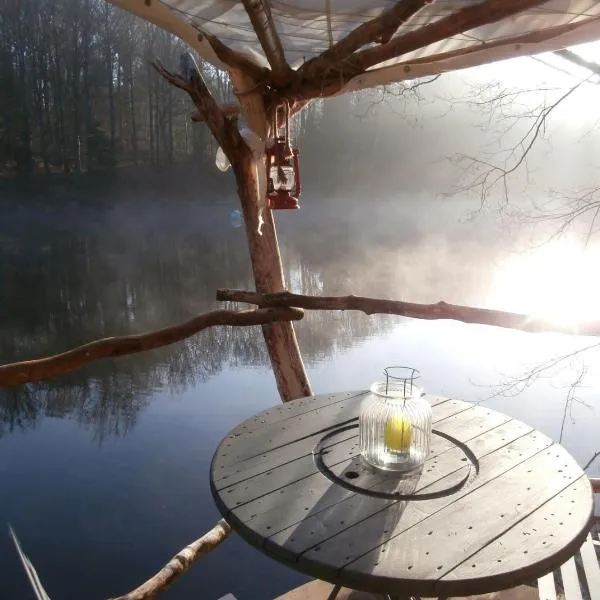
pixel 283 174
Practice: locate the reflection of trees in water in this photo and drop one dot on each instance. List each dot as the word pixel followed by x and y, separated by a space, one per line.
pixel 129 271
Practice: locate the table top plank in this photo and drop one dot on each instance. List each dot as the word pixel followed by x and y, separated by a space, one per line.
pixel 463 528
pixel 522 549
pixel 301 499
pixel 232 465
pixel 464 540
pixel 249 440
pixel 278 479
pixel 246 443
pixel 271 488
pixel 386 523
pixel 496 451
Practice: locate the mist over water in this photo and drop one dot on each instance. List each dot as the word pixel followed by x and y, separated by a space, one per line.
pixel 104 473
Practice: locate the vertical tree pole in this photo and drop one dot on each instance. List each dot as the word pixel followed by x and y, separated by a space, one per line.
pixel 284 353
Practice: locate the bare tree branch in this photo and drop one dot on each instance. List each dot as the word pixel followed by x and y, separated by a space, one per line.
pixel 236 60
pixel 571 397
pixel 441 310
pixel 456 23
pixel 589 463
pixel 518 384
pixel 488 172
pixel 579 61
pixel 224 129
pixel 261 18
pixel 180 563
pixel 71 360
pixel 380 29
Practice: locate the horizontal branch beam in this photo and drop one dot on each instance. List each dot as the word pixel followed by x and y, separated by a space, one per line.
pixel 71 360
pixel 234 59
pixel 441 310
pixel 579 61
pixel 180 563
pixel 380 29
pixel 461 21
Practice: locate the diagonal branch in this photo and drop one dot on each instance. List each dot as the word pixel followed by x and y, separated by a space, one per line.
pixel 261 18
pixel 381 29
pixel 71 360
pixel 441 310
pixel 205 103
pixel 456 23
pixel 180 563
pixel 236 60
pixel 579 61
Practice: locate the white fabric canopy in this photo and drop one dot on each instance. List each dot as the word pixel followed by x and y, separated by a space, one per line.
pixel 309 27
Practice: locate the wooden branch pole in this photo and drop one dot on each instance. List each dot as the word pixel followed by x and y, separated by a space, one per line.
pixel 286 360
pixel 379 29
pixel 441 310
pixel 284 353
pixel 180 563
pixel 264 27
pixel 456 23
pixel 71 360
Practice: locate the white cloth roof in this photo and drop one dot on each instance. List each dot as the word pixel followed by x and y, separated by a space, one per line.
pixel 308 27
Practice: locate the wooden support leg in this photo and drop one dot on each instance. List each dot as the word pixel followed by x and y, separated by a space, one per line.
pixel 284 353
pixel 334 592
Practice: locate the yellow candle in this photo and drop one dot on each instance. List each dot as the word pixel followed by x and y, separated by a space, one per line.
pixel 397 434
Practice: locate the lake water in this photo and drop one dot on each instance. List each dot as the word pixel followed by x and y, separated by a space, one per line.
pixel 104 474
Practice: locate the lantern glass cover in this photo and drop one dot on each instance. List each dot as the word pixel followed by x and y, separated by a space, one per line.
pixel 280 184
pixel 395 425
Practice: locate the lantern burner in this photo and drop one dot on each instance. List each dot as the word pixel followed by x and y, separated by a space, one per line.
pixel 282 166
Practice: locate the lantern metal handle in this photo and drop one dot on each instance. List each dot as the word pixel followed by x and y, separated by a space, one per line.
pixel 414 374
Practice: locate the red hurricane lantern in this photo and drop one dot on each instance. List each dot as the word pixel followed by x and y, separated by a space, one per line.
pixel 283 173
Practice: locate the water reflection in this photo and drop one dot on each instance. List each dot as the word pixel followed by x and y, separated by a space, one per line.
pixel 75 273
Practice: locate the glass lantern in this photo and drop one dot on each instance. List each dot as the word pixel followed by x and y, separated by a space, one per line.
pixel 287 183
pixel 395 422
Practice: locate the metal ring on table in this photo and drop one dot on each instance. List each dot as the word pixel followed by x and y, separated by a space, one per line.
pixel 326 471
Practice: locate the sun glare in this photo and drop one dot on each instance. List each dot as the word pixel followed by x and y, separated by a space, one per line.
pixel 557 281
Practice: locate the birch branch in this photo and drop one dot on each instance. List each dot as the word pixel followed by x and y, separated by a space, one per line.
pixel 381 29
pixel 441 310
pixel 264 27
pixel 461 21
pixel 223 129
pixel 180 563
pixel 236 60
pixel 456 23
pixel 71 360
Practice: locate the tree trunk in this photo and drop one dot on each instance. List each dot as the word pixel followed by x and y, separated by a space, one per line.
pixel 286 360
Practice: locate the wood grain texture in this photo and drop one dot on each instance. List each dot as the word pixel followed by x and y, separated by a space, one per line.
pixel 591 568
pixel 427 557
pixel 180 563
pixel 570 580
pixel 464 542
pixel 440 310
pixel 60 364
pixel 546 587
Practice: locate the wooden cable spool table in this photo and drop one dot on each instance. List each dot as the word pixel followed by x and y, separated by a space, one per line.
pixel 497 503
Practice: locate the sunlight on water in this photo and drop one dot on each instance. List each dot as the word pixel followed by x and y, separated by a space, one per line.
pixel 556 281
